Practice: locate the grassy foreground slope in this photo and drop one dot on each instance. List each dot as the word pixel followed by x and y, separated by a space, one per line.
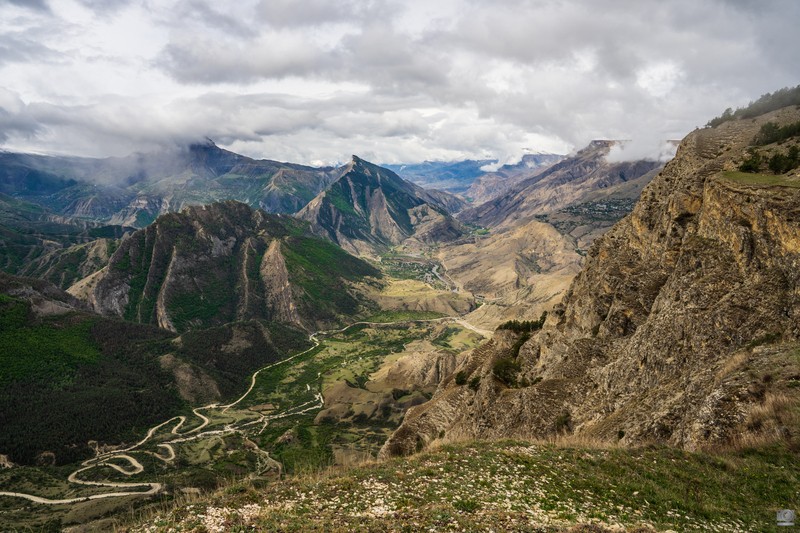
pixel 514 486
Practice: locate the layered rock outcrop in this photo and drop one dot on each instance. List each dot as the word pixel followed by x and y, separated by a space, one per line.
pixel 682 324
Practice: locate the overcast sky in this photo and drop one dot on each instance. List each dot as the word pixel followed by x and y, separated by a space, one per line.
pixel 313 81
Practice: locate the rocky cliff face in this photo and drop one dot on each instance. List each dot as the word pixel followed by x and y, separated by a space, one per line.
pixel 371 208
pixel 211 265
pixel 682 327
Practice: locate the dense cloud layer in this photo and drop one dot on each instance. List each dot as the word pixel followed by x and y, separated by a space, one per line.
pixel 313 81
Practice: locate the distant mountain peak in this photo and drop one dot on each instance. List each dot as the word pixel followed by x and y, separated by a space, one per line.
pixel 370 208
pixel 207 142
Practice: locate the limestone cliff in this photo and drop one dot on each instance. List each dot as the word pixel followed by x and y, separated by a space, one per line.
pixel 681 328
pixel 210 265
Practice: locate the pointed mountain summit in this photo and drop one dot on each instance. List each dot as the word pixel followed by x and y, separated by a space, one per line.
pixel 370 208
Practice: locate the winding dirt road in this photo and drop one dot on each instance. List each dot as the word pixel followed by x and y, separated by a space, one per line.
pixel 105 459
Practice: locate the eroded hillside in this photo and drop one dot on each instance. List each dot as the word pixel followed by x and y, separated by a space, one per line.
pixel 207 266
pixel 369 209
pixel 681 328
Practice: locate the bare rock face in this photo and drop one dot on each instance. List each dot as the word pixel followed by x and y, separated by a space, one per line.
pixel 277 288
pixel 211 265
pixel 656 339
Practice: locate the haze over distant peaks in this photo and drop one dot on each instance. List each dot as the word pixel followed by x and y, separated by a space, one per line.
pixel 133 190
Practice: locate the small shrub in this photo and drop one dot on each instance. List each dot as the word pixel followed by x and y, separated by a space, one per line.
pixel 398 393
pixel 461 378
pixel 475 382
pixel 563 422
pixel 753 163
pixel 506 369
pixel 769 338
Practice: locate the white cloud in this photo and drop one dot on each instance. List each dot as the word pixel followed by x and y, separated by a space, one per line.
pixel 642 148
pixel 391 80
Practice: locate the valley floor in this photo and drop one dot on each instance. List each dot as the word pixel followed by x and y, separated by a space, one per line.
pixel 359 370
pixel 512 486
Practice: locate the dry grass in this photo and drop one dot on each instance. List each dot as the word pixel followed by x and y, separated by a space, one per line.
pixel 571 440
pixel 734 362
pixel 510 485
pixel 767 423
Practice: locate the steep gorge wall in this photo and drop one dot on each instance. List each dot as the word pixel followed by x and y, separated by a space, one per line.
pixel 655 339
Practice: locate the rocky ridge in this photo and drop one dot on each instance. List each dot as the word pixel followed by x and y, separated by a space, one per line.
pixel 210 265
pixel 681 328
pixel 564 183
pixel 495 184
pixel 136 189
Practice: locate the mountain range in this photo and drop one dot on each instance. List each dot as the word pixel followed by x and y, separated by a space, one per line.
pixel 210 265
pixel 626 304
pixel 452 176
pixel 496 183
pixel 134 190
